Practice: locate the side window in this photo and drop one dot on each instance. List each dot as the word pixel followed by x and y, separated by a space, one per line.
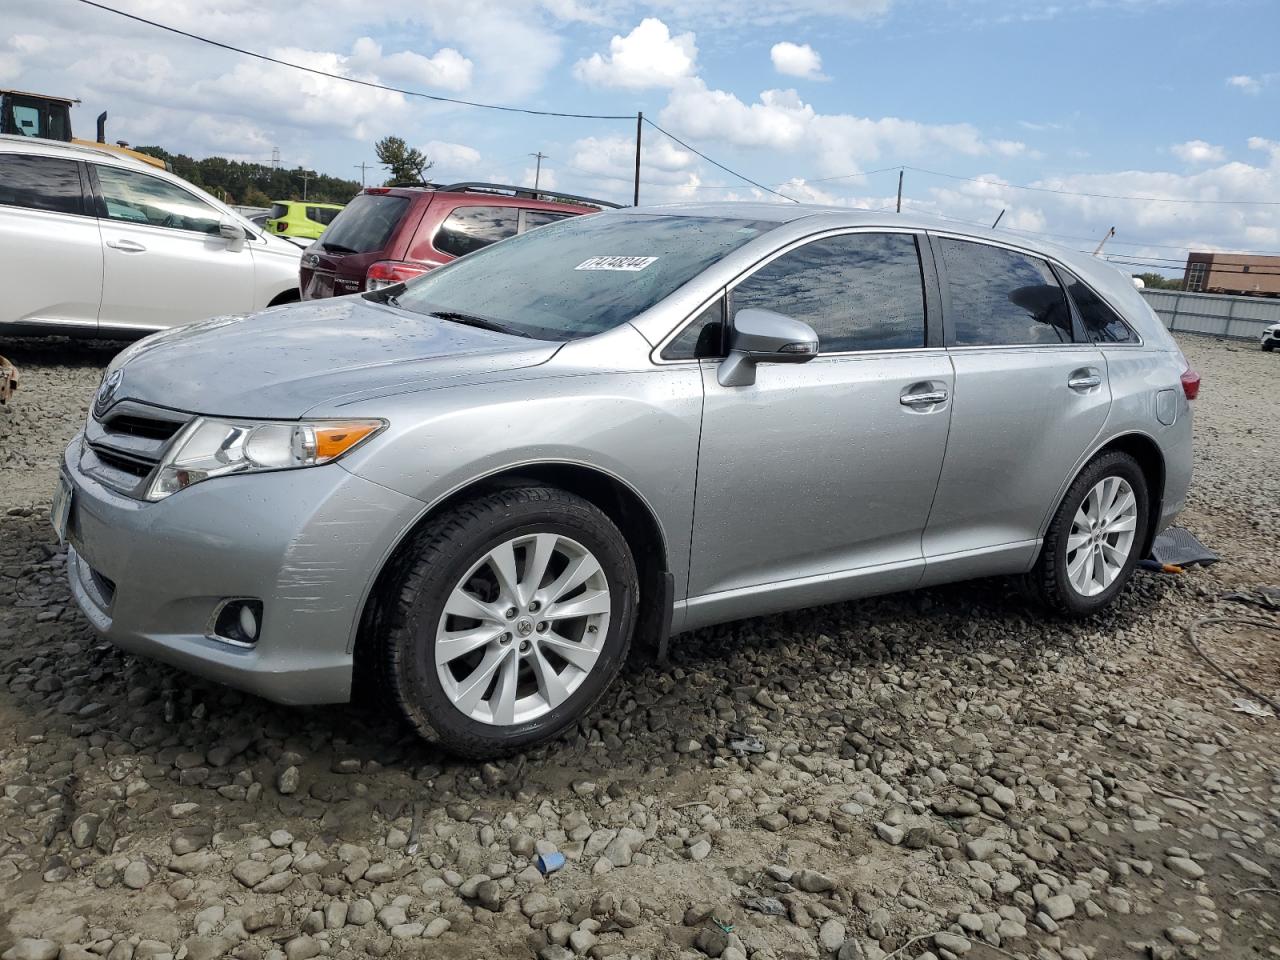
pixel 323 215
pixel 40 183
pixel 1101 323
pixel 859 291
pixel 1001 297
pixel 139 198
pixel 703 337
pixel 540 218
pixel 470 228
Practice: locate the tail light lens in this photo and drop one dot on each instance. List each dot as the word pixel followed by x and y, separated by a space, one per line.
pixel 282 226
pixel 387 273
pixel 1189 378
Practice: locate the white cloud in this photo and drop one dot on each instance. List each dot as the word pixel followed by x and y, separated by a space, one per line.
pixel 446 69
pixel 1198 152
pixel 649 56
pixel 614 157
pixel 796 60
pixel 1245 83
pixel 718 13
pixel 780 120
pixel 452 160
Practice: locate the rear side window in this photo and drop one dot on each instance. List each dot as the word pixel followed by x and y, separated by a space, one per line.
pixel 859 291
pixel 322 214
pixel 1101 323
pixel 365 224
pixel 468 229
pixel 139 198
pixel 540 218
pixel 1001 297
pixel 277 211
pixel 40 183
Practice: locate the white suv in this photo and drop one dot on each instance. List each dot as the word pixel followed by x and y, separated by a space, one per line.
pixel 1271 337
pixel 98 244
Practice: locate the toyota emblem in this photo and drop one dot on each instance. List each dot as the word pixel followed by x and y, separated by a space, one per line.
pixel 107 392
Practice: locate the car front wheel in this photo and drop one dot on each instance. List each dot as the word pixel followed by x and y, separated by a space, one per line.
pixel 1095 537
pixel 514 614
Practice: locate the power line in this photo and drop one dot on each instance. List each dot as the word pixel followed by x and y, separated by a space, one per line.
pixel 715 163
pixel 355 80
pixel 1073 193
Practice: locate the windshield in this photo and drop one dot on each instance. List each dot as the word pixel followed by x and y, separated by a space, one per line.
pixel 365 224
pixel 581 276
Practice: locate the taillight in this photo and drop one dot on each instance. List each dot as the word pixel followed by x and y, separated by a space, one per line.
pixel 376 191
pixel 1190 383
pixel 282 226
pixel 387 273
pixel 1189 378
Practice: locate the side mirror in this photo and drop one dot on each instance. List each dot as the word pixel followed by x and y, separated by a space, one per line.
pixel 231 231
pixel 762 336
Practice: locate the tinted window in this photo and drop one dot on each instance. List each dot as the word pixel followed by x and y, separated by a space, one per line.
pixel 142 199
pixel 1000 296
pixel 1101 323
pixel 860 291
pixel 323 215
pixel 704 337
pixel 277 211
pixel 468 229
pixel 365 224
pixel 581 276
pixel 40 183
pixel 540 218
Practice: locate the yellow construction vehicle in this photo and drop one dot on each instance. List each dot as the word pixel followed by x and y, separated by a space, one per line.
pixel 27 114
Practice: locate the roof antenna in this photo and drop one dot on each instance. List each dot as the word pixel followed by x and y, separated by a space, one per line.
pixel 1103 242
pixel 998 216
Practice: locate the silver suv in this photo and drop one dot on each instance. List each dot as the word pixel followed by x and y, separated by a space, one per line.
pixel 483 487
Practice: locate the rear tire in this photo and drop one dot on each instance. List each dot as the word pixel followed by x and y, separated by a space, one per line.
pixel 538 653
pixel 1269 346
pixel 1095 538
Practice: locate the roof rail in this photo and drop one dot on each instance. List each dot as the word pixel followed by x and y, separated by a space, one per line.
pixel 475 186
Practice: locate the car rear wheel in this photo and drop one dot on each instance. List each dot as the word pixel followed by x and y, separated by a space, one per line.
pixel 1095 537
pixel 1269 346
pixel 514 614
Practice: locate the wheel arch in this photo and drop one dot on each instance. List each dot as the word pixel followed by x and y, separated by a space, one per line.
pixel 291 295
pixel 616 498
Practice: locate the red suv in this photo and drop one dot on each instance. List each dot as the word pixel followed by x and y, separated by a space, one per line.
pixel 390 234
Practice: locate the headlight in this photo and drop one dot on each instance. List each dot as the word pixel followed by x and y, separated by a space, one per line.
pixel 209 448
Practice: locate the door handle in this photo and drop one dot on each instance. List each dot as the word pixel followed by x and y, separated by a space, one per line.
pixel 1086 382
pixel 923 399
pixel 128 246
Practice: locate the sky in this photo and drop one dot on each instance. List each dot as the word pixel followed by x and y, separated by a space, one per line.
pixel 821 100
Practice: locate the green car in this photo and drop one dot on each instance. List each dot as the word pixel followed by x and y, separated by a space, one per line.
pixel 298 218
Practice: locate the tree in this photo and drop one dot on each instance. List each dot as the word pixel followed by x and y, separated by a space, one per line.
pixel 1157 281
pixel 407 165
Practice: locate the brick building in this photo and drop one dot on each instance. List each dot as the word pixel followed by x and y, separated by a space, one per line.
pixel 1236 273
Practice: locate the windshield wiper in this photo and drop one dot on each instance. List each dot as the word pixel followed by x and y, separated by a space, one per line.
pixel 337 248
pixel 469 320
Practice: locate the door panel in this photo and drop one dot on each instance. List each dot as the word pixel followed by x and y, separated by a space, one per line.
pixel 1017 430
pixel 817 469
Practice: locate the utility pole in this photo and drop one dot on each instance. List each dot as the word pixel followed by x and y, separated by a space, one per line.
pixel 635 197
pixel 1101 243
pixel 537 171
pixel 305 178
pixel 998 218
pixel 362 167
pixel 900 173
pixel 275 158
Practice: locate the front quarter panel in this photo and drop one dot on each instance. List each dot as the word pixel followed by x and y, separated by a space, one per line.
pixel 641 426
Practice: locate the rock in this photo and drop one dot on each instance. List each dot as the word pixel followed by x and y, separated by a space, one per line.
pixel 980 849
pixel 810 881
pixel 950 941
pixel 190 839
pixel 890 835
pixel 360 912
pixel 28 948
pixel 84 829
pixel 831 935
pixel 288 780
pixel 1185 867
pixel 1059 907
pixel 251 872
pixel 302 948
pixel 136 875
pixel 624 846
pixel 700 850
pixel 436 928
pixel 1182 936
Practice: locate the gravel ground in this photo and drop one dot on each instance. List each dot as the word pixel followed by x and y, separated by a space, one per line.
pixel 935 774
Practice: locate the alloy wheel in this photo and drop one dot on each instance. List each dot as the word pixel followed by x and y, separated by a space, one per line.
pixel 1102 536
pixel 522 629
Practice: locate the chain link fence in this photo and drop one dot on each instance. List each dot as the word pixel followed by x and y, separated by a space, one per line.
pixel 1214 314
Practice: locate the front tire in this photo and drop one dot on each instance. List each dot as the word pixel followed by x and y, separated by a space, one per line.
pixel 1095 538
pixel 514 613
pixel 1269 346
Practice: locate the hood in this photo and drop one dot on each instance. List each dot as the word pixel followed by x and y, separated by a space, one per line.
pixel 288 360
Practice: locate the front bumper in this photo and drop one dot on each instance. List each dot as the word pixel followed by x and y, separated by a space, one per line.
pixel 307 543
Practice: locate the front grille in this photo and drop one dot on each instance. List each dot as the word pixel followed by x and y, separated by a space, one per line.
pixel 123 446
